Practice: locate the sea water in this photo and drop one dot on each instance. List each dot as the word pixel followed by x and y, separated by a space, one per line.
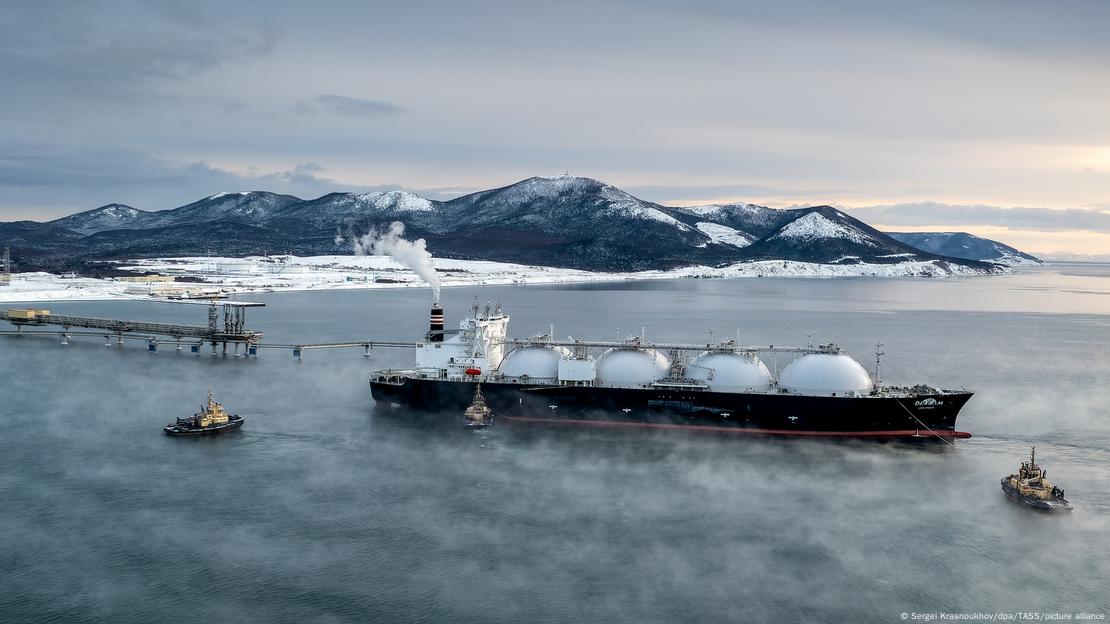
pixel 324 509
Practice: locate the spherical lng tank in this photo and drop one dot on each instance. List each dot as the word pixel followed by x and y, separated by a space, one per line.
pixel 730 372
pixel 825 374
pixel 632 367
pixel 539 362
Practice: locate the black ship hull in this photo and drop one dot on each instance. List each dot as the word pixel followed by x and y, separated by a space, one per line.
pixel 883 416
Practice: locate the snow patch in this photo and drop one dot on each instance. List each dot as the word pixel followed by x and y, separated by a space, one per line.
pixel 723 234
pixel 400 201
pixel 565 177
pixel 710 210
pixel 790 268
pixel 119 211
pixel 625 204
pixel 815 226
pixel 1013 260
pixel 291 273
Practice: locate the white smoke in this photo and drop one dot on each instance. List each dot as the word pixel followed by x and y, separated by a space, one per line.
pixel 413 254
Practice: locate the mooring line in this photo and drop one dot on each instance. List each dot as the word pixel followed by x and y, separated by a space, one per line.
pixel 923 424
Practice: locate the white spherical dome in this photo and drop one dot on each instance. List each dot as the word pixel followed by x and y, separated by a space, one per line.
pixel 825 373
pixel 632 367
pixel 730 372
pixel 541 362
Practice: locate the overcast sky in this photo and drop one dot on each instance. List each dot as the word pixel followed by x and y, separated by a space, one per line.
pixel 921 115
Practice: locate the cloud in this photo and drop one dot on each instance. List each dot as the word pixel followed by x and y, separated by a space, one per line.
pixel 99 52
pixel 931 213
pixel 43 180
pixel 1076 33
pixel 349 106
pixel 40 180
pixel 679 194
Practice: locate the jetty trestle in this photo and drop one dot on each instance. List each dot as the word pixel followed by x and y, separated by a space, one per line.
pixel 33 322
pixel 233 329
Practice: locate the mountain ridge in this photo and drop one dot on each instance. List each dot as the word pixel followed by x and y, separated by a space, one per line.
pixel 968 246
pixel 565 221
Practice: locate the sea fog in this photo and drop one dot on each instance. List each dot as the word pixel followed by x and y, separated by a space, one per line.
pixel 325 509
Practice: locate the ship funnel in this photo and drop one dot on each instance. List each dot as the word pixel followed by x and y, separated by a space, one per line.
pixel 435 324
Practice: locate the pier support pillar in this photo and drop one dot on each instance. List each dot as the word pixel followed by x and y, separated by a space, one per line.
pixel 107 340
pixel 366 351
pixel 152 346
pixel 297 353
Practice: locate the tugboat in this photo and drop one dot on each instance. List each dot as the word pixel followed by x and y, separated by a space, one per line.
pixel 210 419
pixel 478 415
pixel 1031 487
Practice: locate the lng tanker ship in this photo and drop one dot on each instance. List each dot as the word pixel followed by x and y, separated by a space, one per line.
pixel 722 386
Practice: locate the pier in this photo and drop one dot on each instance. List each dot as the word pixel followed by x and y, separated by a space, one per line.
pixel 231 331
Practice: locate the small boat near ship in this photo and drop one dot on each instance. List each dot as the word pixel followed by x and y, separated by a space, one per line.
pixel 212 418
pixel 1030 486
pixel 478 415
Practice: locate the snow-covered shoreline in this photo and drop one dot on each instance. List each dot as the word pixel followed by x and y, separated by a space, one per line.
pixel 217 275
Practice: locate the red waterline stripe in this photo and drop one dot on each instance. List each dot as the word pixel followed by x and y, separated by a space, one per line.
pixel 902 433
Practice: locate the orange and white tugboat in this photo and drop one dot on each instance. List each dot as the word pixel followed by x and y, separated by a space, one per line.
pixel 1031 487
pixel 478 415
pixel 210 419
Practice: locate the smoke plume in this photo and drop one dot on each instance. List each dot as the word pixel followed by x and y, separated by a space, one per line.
pixel 413 254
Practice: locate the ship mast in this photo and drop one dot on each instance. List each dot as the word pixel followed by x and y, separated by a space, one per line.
pixel 878 363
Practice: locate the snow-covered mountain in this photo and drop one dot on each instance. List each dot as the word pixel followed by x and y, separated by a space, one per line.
pixel 827 235
pixel 250 207
pixel 110 217
pixel 814 226
pixel 565 221
pixel 968 246
pixel 347 211
pixel 555 205
pixel 572 221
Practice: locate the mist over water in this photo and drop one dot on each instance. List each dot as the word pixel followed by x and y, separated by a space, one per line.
pixel 323 509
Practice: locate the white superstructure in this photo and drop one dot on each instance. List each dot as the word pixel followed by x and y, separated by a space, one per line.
pixel 477 348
